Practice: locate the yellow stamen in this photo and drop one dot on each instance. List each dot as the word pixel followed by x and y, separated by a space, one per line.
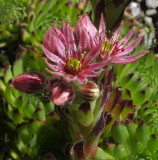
pixel 74 63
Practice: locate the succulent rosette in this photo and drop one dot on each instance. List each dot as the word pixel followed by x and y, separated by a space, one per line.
pixel 72 55
pixel 114 48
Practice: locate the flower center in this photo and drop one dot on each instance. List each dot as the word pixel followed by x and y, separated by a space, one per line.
pixel 73 65
pixel 112 46
pixel 107 46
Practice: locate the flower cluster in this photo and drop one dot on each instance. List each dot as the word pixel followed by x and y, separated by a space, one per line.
pixel 78 55
pixel 72 55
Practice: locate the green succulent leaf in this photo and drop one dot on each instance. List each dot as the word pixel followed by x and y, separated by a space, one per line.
pixel 132 140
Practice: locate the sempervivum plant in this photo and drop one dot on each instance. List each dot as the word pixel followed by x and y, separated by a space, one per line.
pixel 74 61
pixel 132 140
pixel 11 14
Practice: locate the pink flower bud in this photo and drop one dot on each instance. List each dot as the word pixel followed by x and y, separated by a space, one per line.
pixel 62 94
pixel 29 82
pixel 90 91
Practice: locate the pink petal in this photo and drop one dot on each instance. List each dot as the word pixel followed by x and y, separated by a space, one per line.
pixel 84 40
pixel 57 74
pixel 51 56
pixel 92 54
pixel 60 35
pixel 128 59
pixel 56 46
pixel 69 78
pixel 128 36
pixel 92 43
pixel 67 31
pixel 102 25
pixel 82 79
pixel 90 73
pixel 66 77
pixel 106 55
pixel 47 39
pixel 130 47
pixel 54 67
pixel 98 65
pixel 85 22
pixel 117 32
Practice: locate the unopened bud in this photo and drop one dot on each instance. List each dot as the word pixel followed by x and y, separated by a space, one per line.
pixel 29 82
pixel 90 91
pixel 62 94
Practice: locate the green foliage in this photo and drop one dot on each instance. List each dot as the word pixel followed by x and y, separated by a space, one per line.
pixel 12 13
pixel 132 141
pixel 139 78
pixel 39 137
pixel 8 17
pixel 148 112
pixel 28 121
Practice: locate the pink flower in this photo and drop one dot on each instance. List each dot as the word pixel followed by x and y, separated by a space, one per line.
pixel 29 82
pixel 114 49
pixel 71 55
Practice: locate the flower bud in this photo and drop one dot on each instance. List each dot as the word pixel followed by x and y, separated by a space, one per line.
pixel 90 91
pixel 62 94
pixel 29 82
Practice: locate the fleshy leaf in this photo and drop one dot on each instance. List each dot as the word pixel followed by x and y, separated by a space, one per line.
pixel 112 10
